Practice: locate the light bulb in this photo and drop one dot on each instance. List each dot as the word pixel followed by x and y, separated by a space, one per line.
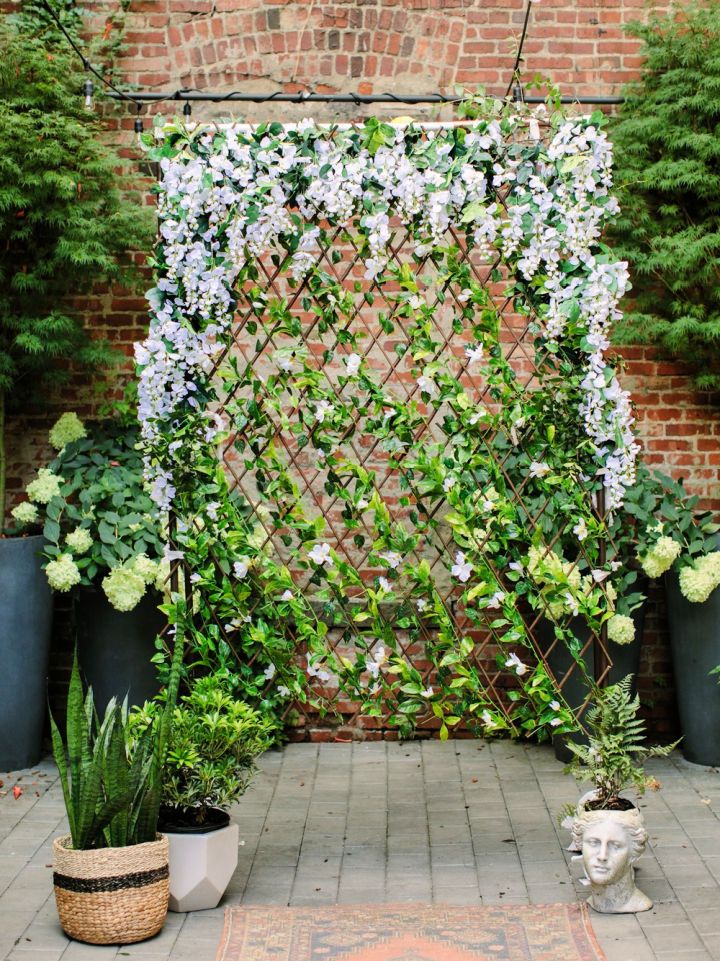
pixel 88 89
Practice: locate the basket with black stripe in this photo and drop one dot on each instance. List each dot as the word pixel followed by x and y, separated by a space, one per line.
pixel 111 895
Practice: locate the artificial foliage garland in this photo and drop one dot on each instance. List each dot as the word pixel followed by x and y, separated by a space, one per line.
pixel 528 188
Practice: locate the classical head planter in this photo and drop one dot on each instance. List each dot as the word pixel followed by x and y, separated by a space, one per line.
pixel 611 842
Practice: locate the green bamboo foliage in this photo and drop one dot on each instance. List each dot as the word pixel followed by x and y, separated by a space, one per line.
pixel 112 791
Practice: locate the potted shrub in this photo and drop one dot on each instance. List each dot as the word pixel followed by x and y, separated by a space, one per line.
pixel 676 541
pixel 102 541
pixel 214 743
pixel 111 872
pixel 607 826
pixel 64 225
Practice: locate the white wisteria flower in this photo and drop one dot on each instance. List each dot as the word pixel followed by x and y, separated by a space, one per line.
pixel 269 672
pixel 496 600
pixel 462 569
pixel 385 585
pixel 287 595
pixel 474 354
pixel 599 575
pixel 241 567
pixel 517 665
pixel 428 692
pixel 283 691
pixel 421 604
pixel 321 555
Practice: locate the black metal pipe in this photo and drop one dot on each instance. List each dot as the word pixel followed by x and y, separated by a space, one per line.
pixel 356 98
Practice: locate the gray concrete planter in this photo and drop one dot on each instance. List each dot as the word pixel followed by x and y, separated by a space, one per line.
pixel 695 645
pixel 25 623
pixel 625 658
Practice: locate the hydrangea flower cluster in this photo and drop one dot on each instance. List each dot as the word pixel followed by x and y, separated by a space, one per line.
pixel 67 428
pixel 661 556
pixel 699 579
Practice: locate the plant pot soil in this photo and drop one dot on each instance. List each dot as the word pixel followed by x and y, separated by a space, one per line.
pixel 25 626
pixel 185 820
pixel 111 895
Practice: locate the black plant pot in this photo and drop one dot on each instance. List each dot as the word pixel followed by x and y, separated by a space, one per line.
pixel 625 660
pixel 115 647
pixel 695 646
pixel 25 623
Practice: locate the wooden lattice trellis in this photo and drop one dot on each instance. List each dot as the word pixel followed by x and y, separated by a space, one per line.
pixel 272 423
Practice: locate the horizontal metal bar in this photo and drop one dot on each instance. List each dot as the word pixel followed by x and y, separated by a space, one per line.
pixel 356 98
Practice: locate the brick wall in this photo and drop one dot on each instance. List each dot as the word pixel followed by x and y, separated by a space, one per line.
pixel 417 46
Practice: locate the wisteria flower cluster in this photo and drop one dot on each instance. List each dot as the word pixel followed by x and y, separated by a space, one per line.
pixel 526 189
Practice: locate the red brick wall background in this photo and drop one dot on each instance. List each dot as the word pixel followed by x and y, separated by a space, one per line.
pixel 416 46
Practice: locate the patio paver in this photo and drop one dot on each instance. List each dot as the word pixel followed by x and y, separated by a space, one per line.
pixel 461 822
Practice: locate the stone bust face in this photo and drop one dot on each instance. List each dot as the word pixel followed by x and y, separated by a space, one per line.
pixel 607 852
pixel 611 842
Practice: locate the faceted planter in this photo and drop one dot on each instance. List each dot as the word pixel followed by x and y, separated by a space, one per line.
pixel 695 645
pixel 25 623
pixel 202 863
pixel 115 647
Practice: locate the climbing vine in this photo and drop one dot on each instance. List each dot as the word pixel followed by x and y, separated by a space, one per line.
pixel 505 487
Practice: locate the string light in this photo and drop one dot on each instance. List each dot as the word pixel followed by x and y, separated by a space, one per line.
pixel 184 94
pixel 88 90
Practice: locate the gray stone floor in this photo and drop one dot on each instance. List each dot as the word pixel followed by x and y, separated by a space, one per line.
pixel 461 823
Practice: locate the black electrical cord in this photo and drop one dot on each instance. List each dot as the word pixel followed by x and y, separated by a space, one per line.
pixel 85 62
pixel 518 58
pixel 187 94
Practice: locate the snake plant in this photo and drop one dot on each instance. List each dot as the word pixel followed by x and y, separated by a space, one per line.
pixel 112 790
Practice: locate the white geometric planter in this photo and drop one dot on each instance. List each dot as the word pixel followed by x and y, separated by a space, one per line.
pixel 201 866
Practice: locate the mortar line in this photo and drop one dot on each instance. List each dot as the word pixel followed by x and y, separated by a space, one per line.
pixel 307 814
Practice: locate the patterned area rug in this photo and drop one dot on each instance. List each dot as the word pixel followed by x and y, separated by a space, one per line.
pixel 409 932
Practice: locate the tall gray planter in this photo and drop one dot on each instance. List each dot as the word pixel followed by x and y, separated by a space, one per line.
pixel 695 646
pixel 25 624
pixel 625 660
pixel 115 647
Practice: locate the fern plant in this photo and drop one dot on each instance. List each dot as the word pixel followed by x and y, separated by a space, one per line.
pixel 667 168
pixel 613 759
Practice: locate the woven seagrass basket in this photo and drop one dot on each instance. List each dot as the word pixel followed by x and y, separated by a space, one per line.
pixel 111 895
